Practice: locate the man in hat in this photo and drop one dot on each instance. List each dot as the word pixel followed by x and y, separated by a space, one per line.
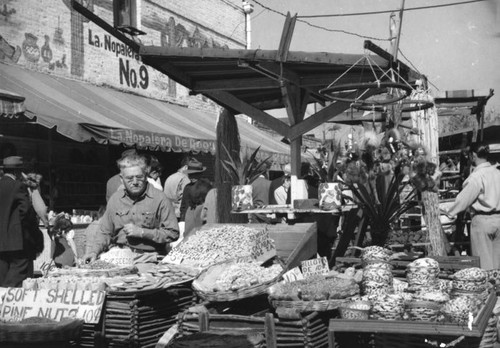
pixel 138 217
pixel 20 238
pixel 175 183
pixel 114 182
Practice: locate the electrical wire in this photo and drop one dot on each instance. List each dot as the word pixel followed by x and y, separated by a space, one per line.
pixel 361 14
pixel 389 11
pixel 414 67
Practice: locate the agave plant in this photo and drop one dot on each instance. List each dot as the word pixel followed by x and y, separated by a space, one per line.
pixel 245 172
pixel 383 205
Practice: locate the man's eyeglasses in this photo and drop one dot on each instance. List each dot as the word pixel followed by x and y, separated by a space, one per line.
pixel 132 177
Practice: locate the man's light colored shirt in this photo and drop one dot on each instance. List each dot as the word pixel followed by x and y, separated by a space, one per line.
pixel 481 191
pixel 153 212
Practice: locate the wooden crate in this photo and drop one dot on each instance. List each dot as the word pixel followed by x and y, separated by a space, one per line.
pixel 415 334
pixel 294 243
pixel 308 331
pixel 140 320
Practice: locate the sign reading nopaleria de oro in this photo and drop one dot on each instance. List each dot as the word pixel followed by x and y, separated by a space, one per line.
pixel 54 304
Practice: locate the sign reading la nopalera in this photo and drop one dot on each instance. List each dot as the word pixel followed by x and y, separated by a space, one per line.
pixel 164 141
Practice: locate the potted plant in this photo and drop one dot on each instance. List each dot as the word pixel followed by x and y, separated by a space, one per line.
pixel 244 173
pixel 329 189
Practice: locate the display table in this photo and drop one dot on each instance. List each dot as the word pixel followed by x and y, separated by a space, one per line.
pixel 291 211
pixel 416 334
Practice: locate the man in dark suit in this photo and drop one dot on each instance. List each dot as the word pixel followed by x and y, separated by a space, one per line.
pixel 19 241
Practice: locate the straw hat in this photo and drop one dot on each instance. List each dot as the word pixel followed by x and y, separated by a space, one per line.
pixel 13 162
pixel 195 166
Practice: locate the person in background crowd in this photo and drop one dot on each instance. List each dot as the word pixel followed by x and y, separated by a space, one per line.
pixel 114 182
pixel 260 197
pixel 281 193
pixel 175 183
pixel 155 170
pixel 93 229
pixel 209 210
pixel 138 217
pixel 287 171
pixel 481 192
pixel 20 238
pixel 198 193
pixel 32 182
pixel 63 247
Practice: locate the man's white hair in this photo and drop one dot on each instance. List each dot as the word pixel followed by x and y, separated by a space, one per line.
pixel 133 161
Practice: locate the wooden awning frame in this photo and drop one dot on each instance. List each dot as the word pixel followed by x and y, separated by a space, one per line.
pixel 259 80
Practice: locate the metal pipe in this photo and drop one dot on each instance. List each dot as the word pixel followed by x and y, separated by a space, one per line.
pixel 248 9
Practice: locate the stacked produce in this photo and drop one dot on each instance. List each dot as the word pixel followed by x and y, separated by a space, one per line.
pixel 67 282
pixel 388 307
pixel 423 273
pixel 158 277
pixel 377 279
pixel 375 253
pixel 101 275
pixel 243 275
pixel 315 288
pixel 98 268
pixel 460 309
pixel 472 283
pixel 423 297
pixel 221 243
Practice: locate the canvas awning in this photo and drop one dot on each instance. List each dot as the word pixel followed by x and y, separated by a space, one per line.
pixel 85 112
pixel 11 104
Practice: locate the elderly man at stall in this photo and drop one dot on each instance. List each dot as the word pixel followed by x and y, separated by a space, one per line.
pixel 138 217
pixel 481 192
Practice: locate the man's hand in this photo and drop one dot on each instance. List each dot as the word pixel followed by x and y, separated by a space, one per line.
pixel 89 257
pixel 132 230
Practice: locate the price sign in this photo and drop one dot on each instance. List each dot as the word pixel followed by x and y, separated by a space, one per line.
pixel 318 266
pixel 52 304
pixel 293 275
pixel 119 256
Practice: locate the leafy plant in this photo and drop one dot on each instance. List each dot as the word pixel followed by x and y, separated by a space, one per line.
pixel 247 171
pixel 382 205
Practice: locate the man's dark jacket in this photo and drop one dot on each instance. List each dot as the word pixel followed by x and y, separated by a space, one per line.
pixel 18 224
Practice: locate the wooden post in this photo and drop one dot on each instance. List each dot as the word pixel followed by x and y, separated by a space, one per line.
pixel 426 121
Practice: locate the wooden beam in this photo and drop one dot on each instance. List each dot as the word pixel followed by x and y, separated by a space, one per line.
pixel 317 119
pixel 405 71
pixel 281 73
pixel 235 84
pixel 329 59
pixel 286 38
pixel 135 46
pixel 170 70
pixel 228 100
pixel 293 101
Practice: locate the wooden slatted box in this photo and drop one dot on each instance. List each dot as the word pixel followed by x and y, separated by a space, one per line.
pixel 308 331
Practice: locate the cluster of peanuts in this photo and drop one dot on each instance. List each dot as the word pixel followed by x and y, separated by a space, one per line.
pixel 217 244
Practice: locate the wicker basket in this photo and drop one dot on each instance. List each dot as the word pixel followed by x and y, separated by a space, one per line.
pixel 423 310
pixel 230 295
pixel 308 306
pixel 30 331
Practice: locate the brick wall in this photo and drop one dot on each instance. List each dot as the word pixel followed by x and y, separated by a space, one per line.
pixel 48 36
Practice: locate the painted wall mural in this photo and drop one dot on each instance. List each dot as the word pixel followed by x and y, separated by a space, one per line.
pixel 49 36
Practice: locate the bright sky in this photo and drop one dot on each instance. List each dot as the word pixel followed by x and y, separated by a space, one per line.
pixel 456 47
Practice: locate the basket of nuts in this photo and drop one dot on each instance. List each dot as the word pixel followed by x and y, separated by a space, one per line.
pixel 356 310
